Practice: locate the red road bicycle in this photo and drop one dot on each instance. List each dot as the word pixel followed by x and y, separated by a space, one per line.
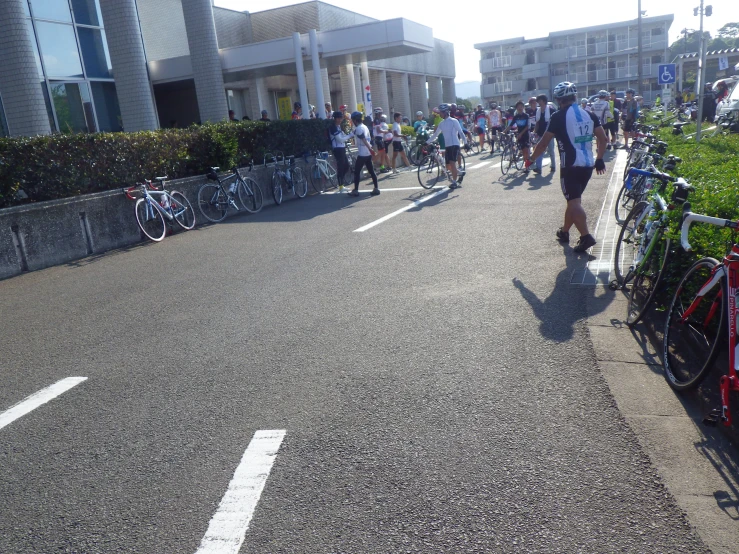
pixel 704 299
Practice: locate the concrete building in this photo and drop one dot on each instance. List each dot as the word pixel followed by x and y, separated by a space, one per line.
pixel 110 65
pixel 594 58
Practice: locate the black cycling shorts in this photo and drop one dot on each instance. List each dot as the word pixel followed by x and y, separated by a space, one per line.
pixel 494 130
pixel 450 154
pixel 573 181
pixel 628 125
pixel 379 143
pixel 524 141
pixel 397 146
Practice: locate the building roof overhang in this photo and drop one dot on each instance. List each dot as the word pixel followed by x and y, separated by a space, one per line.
pixel 377 40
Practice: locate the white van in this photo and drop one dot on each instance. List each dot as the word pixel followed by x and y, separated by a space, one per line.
pixel 730 103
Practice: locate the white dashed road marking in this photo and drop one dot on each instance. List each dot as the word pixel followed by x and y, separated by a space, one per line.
pixel 483 164
pixel 38 399
pixel 410 206
pixel 228 526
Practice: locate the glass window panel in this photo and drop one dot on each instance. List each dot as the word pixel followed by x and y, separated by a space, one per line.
pixel 87 12
pixel 73 107
pixel 3 122
pixel 32 36
pixel 95 52
pixel 106 106
pixel 59 49
pixel 49 112
pixel 87 107
pixel 58 10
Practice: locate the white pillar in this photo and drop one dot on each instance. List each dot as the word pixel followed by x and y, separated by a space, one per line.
pixel 436 96
pixel 378 81
pixel 20 83
pixel 126 47
pixel 418 94
pixel 301 74
pixel 449 90
pixel 348 87
pixel 401 94
pixel 205 58
pixel 366 89
pixel 317 74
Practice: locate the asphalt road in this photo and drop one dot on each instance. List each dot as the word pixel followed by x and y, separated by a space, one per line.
pixel 434 376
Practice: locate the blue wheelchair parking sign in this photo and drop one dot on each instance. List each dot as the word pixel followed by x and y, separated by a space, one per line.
pixel 666 74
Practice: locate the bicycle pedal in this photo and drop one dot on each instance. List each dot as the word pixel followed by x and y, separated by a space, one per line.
pixel 614 285
pixel 712 419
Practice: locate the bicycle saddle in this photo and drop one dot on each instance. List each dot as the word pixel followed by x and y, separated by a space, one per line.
pixel 160 179
pixel 679 124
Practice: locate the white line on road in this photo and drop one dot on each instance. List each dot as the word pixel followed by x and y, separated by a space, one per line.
pixel 401 210
pixel 227 529
pixel 482 164
pixel 381 190
pixel 38 399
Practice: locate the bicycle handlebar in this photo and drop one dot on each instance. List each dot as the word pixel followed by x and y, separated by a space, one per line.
pixel 664 177
pixel 689 217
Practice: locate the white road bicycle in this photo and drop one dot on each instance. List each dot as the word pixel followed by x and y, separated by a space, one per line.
pixel 432 170
pixel 157 207
pixel 324 175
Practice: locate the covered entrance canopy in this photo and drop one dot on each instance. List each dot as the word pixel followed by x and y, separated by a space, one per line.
pixel 367 42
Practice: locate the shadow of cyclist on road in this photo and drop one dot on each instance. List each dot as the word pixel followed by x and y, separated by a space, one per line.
pixel 567 303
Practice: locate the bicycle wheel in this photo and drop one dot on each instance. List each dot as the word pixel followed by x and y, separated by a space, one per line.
pixel 416 154
pixel 463 163
pixel 629 242
pixel 213 202
pixel 300 183
pixel 182 210
pixel 319 180
pixel 624 204
pixel 472 148
pixel 277 187
pixel 647 280
pixel 150 220
pixel 689 346
pixel 505 160
pixel 429 173
pixel 250 195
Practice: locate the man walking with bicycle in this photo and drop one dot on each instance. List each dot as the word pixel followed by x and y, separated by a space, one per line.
pixel 453 138
pixel 574 129
pixel 338 146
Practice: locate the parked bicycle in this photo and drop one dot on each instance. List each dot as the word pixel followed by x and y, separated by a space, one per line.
pixel 214 199
pixel 433 166
pixel 702 312
pixel 643 250
pixel 155 207
pixel 324 175
pixel 285 175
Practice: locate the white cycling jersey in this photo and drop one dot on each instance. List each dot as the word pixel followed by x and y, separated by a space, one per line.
pixel 602 109
pixel 452 130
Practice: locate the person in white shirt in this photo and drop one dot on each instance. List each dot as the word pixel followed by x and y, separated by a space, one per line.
pixel 364 154
pixel 602 110
pixel 584 105
pixel 397 143
pixel 453 138
pixel 543 115
pixel 496 123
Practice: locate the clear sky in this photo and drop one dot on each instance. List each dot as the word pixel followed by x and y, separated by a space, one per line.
pixel 474 21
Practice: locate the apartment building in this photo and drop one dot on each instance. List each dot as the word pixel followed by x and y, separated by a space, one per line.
pixel 594 58
pixel 112 65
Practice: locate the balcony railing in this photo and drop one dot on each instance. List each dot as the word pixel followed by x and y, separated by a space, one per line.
pixel 504 86
pixel 613 46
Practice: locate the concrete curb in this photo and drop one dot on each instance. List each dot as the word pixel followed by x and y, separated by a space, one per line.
pixel 45 234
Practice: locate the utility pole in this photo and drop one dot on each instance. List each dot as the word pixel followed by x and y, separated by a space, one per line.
pixel 639 67
pixel 701 55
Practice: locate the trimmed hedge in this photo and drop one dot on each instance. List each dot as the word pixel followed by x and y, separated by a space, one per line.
pixel 59 166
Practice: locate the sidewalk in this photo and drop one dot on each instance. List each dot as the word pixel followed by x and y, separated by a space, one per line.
pixel 697 463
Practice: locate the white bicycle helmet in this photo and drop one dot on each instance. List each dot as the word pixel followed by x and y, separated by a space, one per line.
pixel 419 113
pixel 603 94
pixel 383 117
pixel 564 90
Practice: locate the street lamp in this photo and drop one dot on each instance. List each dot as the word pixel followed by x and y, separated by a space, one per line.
pixel 707 11
pixel 638 61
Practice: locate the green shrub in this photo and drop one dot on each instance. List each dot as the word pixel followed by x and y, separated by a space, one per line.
pixel 58 166
pixel 407 130
pixel 712 167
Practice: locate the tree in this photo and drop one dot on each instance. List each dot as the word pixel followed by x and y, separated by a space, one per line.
pixel 720 43
pixel 729 31
pixel 466 103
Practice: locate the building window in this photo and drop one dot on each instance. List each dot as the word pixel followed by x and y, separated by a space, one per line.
pixel 106 106
pixel 4 132
pixel 657 31
pixel 87 12
pixel 36 54
pixel 56 10
pixel 73 106
pixel 59 50
pixel 95 52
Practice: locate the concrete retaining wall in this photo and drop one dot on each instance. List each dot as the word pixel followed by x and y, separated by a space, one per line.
pixel 45 234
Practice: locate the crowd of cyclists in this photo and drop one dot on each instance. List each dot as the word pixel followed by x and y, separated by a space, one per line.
pixel 575 125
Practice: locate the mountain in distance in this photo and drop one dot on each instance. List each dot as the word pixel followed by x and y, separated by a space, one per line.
pixel 467 89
